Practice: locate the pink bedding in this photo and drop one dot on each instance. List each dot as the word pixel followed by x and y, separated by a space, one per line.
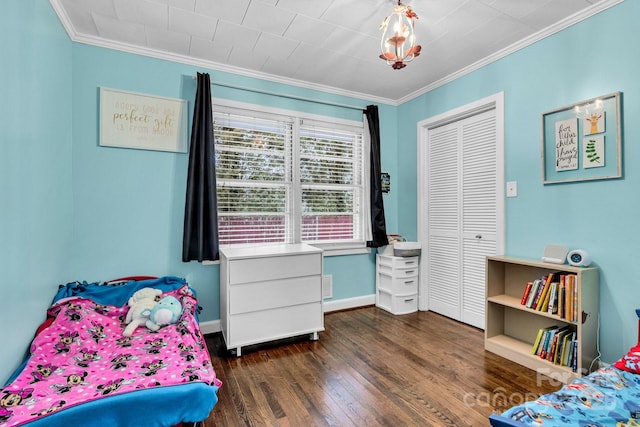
pixel 83 356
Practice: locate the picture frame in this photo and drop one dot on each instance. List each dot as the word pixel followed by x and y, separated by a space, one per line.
pixel 582 141
pixel 141 121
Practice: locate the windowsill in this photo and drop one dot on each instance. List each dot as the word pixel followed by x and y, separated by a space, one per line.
pixel 331 250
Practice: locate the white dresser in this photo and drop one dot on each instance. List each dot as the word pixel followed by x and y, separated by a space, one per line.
pixel 397 283
pixel 270 292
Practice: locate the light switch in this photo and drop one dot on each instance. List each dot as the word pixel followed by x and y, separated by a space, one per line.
pixel 512 189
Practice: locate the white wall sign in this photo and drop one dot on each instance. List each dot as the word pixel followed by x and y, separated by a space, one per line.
pixel 134 120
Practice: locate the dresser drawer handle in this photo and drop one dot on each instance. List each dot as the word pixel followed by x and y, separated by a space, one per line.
pixel 408 282
pixel 409 272
pixel 409 299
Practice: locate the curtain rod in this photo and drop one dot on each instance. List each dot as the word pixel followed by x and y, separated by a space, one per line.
pixel 282 95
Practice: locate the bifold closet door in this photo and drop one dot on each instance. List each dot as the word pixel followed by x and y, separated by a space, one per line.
pixel 461 215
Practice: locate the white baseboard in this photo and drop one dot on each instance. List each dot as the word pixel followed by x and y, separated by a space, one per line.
pixel 344 304
pixel 213 326
pixel 210 327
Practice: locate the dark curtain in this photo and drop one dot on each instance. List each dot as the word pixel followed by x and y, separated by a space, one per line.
pixel 200 240
pixel 378 224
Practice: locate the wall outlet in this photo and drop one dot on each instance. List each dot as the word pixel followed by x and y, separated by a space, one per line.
pixel 512 189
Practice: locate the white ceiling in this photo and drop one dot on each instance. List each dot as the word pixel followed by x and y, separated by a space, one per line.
pixel 331 45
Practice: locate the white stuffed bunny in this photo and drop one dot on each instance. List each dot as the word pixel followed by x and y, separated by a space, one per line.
pixel 143 299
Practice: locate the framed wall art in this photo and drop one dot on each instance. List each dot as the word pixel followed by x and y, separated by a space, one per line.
pixel 135 120
pixel 582 141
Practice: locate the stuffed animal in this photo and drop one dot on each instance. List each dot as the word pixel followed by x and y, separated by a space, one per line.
pixel 143 299
pixel 165 312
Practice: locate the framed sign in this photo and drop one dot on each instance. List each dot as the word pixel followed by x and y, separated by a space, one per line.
pixel 135 120
pixel 582 141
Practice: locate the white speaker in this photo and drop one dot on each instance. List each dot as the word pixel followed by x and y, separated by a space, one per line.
pixel 578 258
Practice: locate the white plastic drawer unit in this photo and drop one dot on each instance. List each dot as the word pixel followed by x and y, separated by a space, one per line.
pixel 397 283
pixel 270 292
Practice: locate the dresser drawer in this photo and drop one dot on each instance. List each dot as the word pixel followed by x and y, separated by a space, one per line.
pixel 265 295
pixel 273 268
pixel 268 325
pixel 398 285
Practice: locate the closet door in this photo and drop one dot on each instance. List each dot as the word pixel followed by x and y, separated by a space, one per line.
pixel 462 215
pixel 443 213
pixel 479 212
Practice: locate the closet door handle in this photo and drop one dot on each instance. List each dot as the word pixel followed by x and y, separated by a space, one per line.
pixel 478 236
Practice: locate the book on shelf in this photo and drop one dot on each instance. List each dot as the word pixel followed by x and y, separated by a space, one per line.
pixel 561 292
pixel 536 343
pixel 575 301
pixel 543 345
pixel 552 307
pixel 569 301
pixel 544 302
pixel 525 294
pixel 542 290
pixel 533 293
pixel 555 344
pixel 560 342
pixel 555 293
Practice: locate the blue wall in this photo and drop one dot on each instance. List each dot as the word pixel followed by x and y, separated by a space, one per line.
pixel 595 57
pixel 36 203
pixel 72 210
pixel 129 204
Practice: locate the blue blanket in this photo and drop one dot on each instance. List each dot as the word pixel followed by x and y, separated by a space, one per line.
pixel 606 397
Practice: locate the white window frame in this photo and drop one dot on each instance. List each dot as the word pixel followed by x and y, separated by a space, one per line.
pixel 333 248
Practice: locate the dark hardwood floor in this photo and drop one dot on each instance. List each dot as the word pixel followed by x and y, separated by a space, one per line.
pixel 370 368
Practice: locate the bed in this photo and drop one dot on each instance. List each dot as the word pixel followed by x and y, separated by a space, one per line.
pixel 82 370
pixel 610 396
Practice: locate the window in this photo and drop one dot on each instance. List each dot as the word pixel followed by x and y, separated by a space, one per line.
pixel 286 178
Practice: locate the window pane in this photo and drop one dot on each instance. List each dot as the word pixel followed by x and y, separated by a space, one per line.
pixel 317 228
pixel 250 149
pixel 262 184
pixel 237 229
pixel 330 164
pixel 253 200
pixel 251 169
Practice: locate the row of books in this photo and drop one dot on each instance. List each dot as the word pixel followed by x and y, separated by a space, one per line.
pixel 558 345
pixel 556 293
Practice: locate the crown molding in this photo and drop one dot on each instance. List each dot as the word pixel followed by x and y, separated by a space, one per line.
pixel 216 66
pixel 203 63
pixel 521 44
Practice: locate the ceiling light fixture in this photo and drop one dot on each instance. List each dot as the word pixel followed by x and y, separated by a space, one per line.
pixel 398 39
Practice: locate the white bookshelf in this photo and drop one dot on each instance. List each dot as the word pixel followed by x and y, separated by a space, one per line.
pixel 511 328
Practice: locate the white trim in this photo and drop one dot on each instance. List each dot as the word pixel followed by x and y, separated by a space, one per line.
pixel 183 59
pixel 210 327
pixel 267 111
pixel 520 44
pixel 496 102
pixel 347 303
